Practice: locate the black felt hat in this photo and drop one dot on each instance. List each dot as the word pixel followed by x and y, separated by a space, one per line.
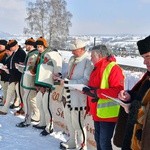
pixel 3 42
pixel 144 45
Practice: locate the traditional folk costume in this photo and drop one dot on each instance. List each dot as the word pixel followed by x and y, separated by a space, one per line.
pixel 79 69
pixel 44 78
pixel 48 63
pixel 27 82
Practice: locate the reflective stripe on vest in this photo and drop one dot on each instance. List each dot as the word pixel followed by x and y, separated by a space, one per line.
pixel 107 108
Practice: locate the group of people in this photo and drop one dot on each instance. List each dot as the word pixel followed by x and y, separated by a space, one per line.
pixel 25 78
pixel 37 71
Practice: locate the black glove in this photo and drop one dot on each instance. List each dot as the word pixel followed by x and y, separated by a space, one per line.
pixel 90 92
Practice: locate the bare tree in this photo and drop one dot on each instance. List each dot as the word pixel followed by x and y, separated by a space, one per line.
pixel 50 19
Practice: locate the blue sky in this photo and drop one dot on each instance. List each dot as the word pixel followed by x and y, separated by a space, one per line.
pixel 89 16
pixel 110 16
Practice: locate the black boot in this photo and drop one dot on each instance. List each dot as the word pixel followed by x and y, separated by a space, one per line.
pixel 22 124
pixel 39 127
pixel 45 133
pixel 67 145
pixel 12 106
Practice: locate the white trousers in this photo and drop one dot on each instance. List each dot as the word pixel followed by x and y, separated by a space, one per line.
pixel 74 120
pixel 30 106
pixel 12 88
pixel 43 104
pixel 4 88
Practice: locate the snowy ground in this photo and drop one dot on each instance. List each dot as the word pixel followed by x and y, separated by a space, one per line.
pixel 14 138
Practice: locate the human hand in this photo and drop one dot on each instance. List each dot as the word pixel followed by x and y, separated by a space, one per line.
pixel 90 92
pixel 16 65
pixel 4 67
pixel 21 63
pixel 62 82
pixel 56 76
pixel 124 96
pixel 126 107
pixel 42 90
pixel 37 88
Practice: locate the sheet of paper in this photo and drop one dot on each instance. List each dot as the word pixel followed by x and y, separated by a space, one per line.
pixel 1 66
pixel 114 99
pixel 76 86
pixel 21 65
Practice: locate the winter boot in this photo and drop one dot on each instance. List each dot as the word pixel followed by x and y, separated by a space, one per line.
pixel 45 133
pixel 39 127
pixel 70 144
pixel 22 124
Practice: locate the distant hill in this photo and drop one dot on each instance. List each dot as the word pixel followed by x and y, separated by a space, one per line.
pixel 4 35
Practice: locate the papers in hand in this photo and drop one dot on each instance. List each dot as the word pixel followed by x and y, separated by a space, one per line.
pixel 115 99
pixel 19 65
pixel 29 73
pixel 124 105
pixel 76 86
pixel 3 67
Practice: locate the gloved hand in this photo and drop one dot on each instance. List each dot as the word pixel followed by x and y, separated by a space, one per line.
pixel 88 91
pixel 91 92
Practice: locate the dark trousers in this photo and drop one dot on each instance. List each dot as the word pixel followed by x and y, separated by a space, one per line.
pixel 103 134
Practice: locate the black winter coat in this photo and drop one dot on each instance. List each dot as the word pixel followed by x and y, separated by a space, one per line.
pixel 4 76
pixel 17 57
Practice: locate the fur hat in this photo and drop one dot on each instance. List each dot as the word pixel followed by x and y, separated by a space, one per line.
pixel 30 41
pixel 144 45
pixel 77 44
pixel 3 42
pixel 12 43
pixel 42 41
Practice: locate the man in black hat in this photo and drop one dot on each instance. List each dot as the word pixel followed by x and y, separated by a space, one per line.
pixel 137 133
